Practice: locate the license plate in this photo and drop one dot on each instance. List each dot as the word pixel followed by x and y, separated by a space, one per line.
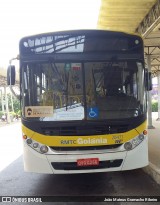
pixel 88 162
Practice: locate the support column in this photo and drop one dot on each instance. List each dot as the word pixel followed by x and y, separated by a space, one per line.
pixel 150 126
pixel 158 96
pixel 2 99
pixel 12 101
pixel 6 102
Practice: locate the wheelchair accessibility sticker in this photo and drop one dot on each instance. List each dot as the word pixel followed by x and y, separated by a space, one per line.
pixel 93 112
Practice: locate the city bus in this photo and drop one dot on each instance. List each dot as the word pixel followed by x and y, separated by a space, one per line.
pixel 83 97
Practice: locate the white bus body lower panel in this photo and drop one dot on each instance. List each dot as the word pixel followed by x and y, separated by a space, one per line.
pixel 138 157
pixel 35 162
pixel 40 163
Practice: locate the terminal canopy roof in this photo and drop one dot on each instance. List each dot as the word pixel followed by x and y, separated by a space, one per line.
pixel 140 16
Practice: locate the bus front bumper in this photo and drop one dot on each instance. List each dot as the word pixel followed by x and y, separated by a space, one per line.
pixel 67 163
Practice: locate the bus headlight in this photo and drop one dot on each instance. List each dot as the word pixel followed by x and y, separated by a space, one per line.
pixel 134 142
pixel 43 149
pixel 128 146
pixel 141 137
pixel 36 145
pixel 29 141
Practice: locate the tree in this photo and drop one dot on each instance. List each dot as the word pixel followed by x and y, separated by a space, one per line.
pixel 16 103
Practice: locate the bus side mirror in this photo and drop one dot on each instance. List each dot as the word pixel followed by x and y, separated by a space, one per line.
pixel 11 75
pixel 148 82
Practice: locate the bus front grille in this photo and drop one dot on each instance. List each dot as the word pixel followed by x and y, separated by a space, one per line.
pixel 86 148
pixel 73 165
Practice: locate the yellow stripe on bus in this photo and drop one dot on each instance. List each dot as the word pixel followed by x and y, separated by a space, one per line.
pixel 75 141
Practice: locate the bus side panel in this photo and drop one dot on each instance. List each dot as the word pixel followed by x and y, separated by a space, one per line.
pixel 138 157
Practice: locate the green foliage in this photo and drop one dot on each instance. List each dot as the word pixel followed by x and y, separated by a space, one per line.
pixel 154 106
pixel 1 113
pixel 19 113
pixel 16 104
pixel 12 114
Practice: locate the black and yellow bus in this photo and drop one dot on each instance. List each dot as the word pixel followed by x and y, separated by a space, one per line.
pixel 83 100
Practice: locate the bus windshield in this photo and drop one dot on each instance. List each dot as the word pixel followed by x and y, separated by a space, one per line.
pixel 83 90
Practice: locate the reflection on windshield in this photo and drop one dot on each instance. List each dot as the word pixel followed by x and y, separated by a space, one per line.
pixel 110 90
pixel 77 43
pixel 116 90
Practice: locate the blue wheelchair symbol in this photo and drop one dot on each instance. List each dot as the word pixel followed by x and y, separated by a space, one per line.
pixel 93 112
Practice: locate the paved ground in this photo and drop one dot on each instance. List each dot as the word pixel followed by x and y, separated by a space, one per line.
pixel 10 143
pixel 15 182
pixel 154 150
pixel 3 124
pixel 154 142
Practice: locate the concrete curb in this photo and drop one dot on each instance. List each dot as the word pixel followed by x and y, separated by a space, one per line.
pixel 153 171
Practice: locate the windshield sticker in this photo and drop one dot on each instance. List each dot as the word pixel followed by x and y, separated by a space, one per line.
pixel 38 111
pixel 73 112
pixel 67 67
pixel 93 112
pixel 76 66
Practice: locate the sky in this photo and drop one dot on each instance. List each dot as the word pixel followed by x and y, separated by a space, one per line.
pixel 20 18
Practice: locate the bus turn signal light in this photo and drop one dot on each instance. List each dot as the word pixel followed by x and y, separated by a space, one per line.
pixel 145 132
pixel 24 137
